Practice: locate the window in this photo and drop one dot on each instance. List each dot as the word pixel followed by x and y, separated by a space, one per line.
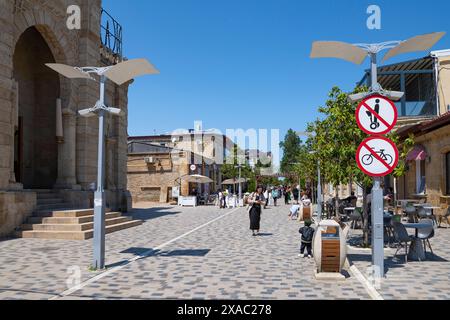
pixel 447 173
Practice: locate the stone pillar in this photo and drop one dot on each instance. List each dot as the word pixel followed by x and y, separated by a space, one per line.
pixel 67 153
pixel 111 145
pixel 13 185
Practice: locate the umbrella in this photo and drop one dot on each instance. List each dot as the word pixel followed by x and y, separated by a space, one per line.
pixel 196 178
pixel 234 181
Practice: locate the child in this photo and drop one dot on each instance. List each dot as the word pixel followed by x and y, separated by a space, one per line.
pixel 307 236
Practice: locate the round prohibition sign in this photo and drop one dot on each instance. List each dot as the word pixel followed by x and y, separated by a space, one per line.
pixel 376 115
pixel 377 156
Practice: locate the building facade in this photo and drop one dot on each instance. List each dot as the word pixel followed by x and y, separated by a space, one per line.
pixel 44 143
pixel 157 164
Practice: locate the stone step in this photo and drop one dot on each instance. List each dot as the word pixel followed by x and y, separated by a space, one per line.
pixel 60 206
pixel 69 220
pixel 47 195
pixel 68 213
pixel 44 201
pixel 72 227
pixel 75 235
pixel 44 190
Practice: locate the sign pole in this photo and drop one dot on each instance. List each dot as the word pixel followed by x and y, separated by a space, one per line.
pixel 377 199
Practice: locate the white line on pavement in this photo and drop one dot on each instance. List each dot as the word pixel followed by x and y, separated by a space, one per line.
pixel 127 262
pixel 373 293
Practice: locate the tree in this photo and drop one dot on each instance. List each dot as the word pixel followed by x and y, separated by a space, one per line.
pixel 230 170
pixel 291 149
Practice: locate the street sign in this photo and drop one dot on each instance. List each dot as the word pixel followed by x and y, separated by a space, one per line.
pixel 376 115
pixel 377 156
pixel 193 167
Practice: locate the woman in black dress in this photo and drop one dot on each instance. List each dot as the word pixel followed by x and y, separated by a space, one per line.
pixel 255 201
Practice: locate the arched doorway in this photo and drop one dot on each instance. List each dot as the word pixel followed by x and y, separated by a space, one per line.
pixel 36 150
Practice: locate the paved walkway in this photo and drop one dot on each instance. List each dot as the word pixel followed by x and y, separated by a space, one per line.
pixel 426 280
pixel 191 253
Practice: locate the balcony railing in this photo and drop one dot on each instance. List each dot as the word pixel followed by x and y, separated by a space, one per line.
pixel 111 35
pixel 416 108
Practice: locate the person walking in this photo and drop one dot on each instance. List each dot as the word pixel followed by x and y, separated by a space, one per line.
pixel 275 196
pixel 287 192
pixel 295 193
pixel 266 196
pixel 255 201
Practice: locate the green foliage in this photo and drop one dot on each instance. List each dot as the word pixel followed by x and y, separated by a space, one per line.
pixel 404 147
pixel 291 150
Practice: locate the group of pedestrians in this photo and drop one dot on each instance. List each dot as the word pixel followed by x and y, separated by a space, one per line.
pixel 259 200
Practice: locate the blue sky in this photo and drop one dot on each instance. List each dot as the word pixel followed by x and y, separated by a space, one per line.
pixel 245 63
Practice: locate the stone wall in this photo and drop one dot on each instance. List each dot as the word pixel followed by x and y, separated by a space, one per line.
pixel 437 144
pixel 15 207
pixel 444 88
pixel 150 182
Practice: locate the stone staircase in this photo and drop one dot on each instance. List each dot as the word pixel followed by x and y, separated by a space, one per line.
pixel 55 219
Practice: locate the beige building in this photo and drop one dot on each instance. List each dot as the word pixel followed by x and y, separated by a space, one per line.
pixel 43 146
pixel 428 175
pixel 157 164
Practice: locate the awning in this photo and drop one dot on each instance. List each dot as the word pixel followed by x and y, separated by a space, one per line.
pixel 196 178
pixel 234 181
pixel 418 153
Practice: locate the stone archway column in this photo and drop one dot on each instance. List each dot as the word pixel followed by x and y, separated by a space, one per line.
pixel 13 185
pixel 67 153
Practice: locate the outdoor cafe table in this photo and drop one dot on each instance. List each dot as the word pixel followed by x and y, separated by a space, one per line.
pixel 416 251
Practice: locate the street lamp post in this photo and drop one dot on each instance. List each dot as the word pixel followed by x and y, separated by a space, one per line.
pixel 357 53
pixel 239 166
pixel 319 189
pixel 119 74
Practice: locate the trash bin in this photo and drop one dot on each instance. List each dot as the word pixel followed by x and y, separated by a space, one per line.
pixel 329 245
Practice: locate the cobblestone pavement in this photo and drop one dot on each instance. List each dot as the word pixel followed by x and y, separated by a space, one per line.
pixel 426 280
pixel 220 260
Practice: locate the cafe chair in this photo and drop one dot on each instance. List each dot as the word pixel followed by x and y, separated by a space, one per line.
pixel 355 217
pixel 445 217
pixel 411 212
pixel 402 238
pixel 425 234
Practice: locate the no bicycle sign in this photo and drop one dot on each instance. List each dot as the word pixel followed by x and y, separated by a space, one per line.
pixel 376 115
pixel 377 156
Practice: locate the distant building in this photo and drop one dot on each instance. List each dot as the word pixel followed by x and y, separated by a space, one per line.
pixel 428 175
pixel 157 163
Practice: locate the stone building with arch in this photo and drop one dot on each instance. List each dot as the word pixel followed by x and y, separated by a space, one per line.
pixel 45 146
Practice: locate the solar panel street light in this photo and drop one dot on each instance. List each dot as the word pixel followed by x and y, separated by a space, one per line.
pixel 119 74
pixel 417 43
pixel 354 53
pixel 357 53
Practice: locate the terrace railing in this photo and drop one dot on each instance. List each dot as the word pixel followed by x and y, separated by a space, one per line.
pixel 111 35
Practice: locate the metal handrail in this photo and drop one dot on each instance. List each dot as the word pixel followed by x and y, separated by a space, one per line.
pixel 111 39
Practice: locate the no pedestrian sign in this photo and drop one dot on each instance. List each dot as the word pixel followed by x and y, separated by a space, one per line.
pixel 377 156
pixel 376 115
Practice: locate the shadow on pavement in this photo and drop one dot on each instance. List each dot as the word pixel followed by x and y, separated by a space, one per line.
pixel 152 213
pixel 393 263
pixel 148 252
